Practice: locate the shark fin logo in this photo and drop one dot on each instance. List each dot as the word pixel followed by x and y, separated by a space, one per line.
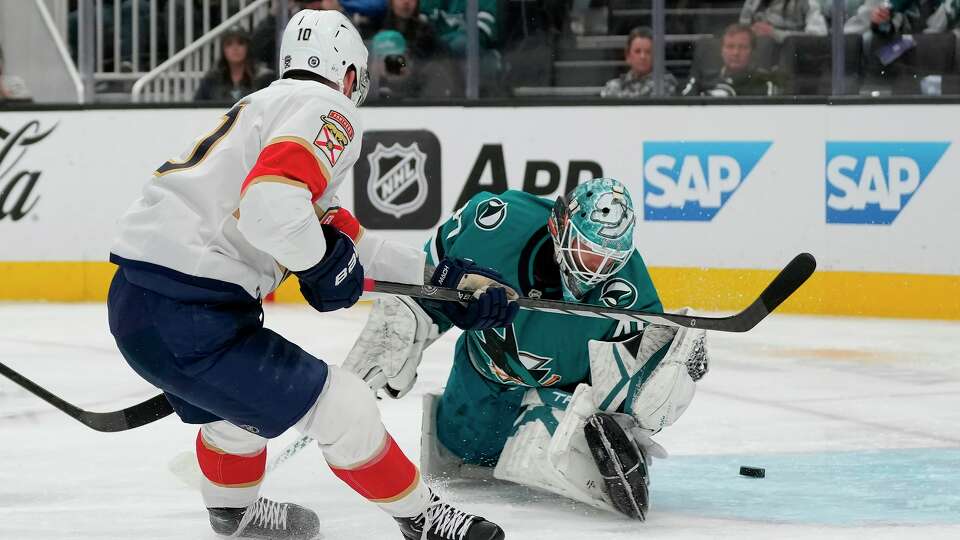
pixel 618 293
pixel 491 213
pixel 870 183
pixel 692 181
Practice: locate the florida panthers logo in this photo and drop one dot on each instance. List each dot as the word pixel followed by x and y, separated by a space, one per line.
pixel 500 357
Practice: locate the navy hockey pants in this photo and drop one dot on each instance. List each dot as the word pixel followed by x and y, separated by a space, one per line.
pixel 208 351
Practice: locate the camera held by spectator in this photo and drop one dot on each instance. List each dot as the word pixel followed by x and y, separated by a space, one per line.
pixel 391 72
pixel 638 80
pixel 738 76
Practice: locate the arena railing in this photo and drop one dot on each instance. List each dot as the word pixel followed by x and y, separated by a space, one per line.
pixel 117 44
pixel 177 78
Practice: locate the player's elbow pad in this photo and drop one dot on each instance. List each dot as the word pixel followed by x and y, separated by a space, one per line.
pixel 279 219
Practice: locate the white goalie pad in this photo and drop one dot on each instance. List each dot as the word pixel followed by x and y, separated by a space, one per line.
pixel 617 368
pixel 560 463
pixel 391 344
pixel 436 462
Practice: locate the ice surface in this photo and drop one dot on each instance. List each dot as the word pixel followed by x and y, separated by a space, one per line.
pixel 857 423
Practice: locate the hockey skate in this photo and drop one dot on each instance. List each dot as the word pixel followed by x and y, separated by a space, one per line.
pixel 266 520
pixel 441 521
pixel 622 464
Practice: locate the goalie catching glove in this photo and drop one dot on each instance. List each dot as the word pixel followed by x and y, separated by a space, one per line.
pixel 494 304
pixel 389 349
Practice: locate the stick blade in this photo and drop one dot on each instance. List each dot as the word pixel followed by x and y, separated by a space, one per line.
pixel 788 281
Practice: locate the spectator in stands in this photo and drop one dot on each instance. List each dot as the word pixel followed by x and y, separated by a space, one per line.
pixel 391 67
pixel 448 18
pixel 886 27
pixel 429 62
pixel 737 77
pixel 638 80
pixel 404 16
pixel 887 18
pixel 12 88
pixel 237 72
pixel 778 19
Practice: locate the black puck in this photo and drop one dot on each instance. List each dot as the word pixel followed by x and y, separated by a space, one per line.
pixel 753 472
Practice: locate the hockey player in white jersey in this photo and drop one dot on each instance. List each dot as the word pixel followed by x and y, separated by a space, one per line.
pixel 220 228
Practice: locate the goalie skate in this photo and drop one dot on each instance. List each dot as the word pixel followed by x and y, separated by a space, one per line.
pixel 622 464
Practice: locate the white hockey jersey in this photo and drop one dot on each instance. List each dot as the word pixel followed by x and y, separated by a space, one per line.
pixel 293 132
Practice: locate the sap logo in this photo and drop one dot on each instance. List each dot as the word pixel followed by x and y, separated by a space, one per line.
pixel 691 181
pixel 871 182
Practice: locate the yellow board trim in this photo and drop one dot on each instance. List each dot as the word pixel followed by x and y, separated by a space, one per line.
pixel 869 294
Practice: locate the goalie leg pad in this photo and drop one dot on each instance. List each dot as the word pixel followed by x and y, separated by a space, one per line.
pixel 556 460
pixel 668 391
pixel 622 464
pixel 650 375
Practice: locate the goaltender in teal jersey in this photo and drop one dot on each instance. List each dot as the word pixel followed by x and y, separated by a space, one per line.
pixel 516 386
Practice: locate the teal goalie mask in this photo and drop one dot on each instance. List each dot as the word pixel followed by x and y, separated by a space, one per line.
pixel 592 231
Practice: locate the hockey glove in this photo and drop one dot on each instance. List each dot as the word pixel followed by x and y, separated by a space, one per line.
pixel 494 303
pixel 336 281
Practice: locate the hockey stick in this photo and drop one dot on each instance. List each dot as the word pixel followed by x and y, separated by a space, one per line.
pixel 137 415
pixel 786 283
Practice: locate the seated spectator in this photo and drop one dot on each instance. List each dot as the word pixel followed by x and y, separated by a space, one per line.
pixel 237 72
pixel 737 77
pixel 448 18
pixel 777 19
pixel 638 81
pixel 404 16
pixel 886 26
pixel 12 88
pixel 886 18
pixel 397 73
pixel 391 69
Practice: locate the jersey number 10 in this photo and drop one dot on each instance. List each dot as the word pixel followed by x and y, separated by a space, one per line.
pixel 304 34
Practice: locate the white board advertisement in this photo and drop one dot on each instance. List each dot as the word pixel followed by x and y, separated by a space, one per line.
pixel 864 188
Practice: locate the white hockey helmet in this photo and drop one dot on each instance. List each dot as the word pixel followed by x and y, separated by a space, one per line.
pixel 327 44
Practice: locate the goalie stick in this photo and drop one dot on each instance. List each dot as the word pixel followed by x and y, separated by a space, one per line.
pixel 786 283
pixel 137 415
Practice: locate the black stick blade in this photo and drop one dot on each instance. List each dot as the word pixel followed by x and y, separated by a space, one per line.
pixel 788 281
pixel 140 414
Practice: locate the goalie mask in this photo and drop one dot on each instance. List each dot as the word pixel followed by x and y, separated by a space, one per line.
pixel 592 231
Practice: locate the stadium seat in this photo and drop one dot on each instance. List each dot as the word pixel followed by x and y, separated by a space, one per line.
pixel 806 64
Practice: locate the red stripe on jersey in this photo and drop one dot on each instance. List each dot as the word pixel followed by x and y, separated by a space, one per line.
pixel 230 470
pixel 387 477
pixel 289 158
pixel 344 221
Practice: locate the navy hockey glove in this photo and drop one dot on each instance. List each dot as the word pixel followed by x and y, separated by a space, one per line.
pixel 336 281
pixel 494 305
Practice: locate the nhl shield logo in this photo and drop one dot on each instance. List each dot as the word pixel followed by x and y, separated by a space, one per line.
pixel 397 184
